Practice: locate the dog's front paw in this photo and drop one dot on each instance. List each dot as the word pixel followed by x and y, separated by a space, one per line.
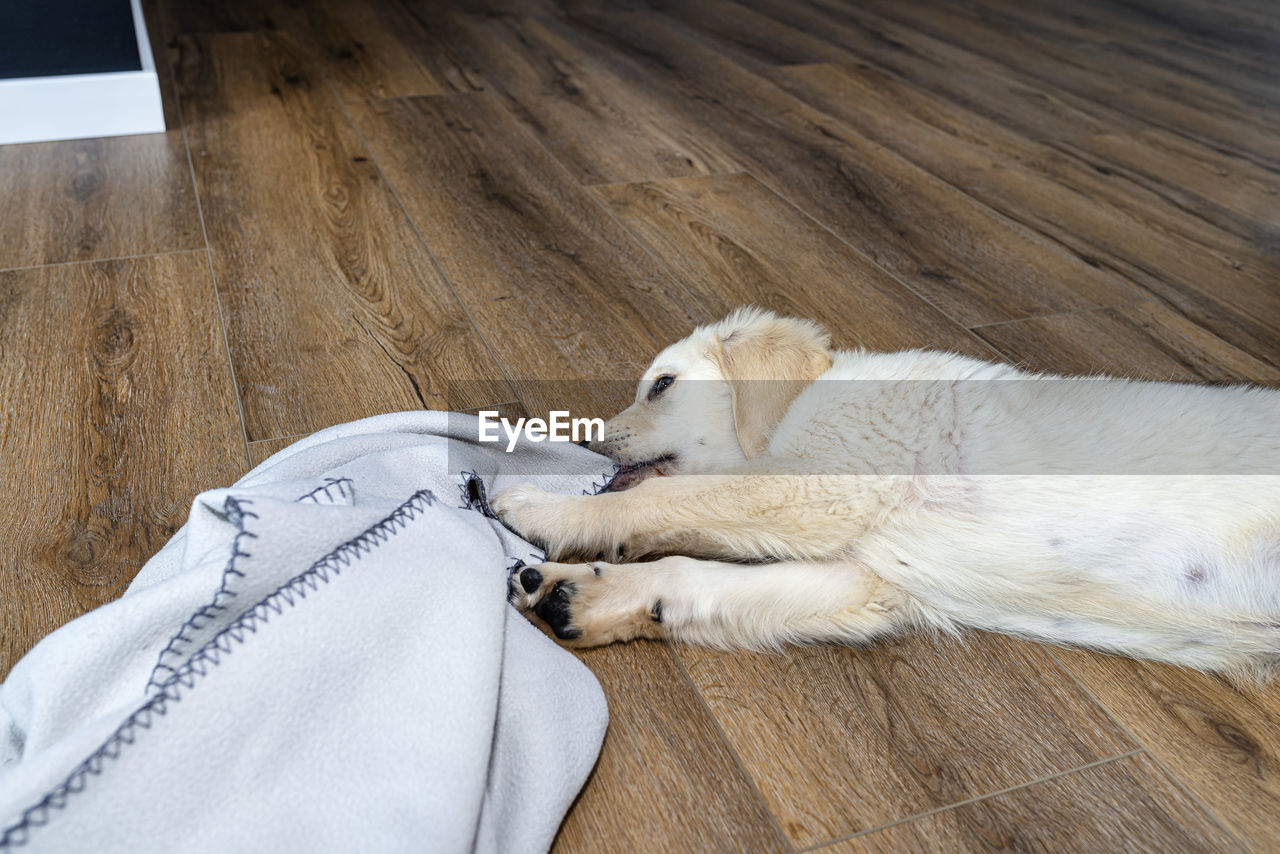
pixel 565 526
pixel 586 604
pixel 522 509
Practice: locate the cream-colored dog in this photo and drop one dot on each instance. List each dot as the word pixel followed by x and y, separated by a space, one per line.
pixel 809 495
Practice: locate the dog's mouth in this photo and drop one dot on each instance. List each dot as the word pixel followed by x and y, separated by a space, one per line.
pixel 628 476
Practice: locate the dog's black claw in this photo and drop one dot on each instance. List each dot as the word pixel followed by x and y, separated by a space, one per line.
pixel 655 613
pixel 530 579
pixel 553 609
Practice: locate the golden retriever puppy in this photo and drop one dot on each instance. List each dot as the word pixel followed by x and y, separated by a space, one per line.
pixel 800 494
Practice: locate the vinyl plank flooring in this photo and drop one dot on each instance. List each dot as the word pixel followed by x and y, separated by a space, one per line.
pixel 666 780
pixel 1228 192
pixel 84 199
pixel 555 285
pixel 1142 340
pixel 1254 81
pixel 1111 27
pixel 110 428
pixel 1212 115
pixel 1230 26
pixel 366 49
pixel 334 308
pixel 153 16
pixel 841 740
pixel 762 34
pixel 1126 805
pixel 1222 742
pixel 261 449
pixel 735 243
pixel 968 261
pixel 1224 281
pixel 601 129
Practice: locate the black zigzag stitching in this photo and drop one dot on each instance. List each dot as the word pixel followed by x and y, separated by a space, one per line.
pixel 209 656
pixel 341 485
pixel 235 512
pixel 474 496
pixel 597 488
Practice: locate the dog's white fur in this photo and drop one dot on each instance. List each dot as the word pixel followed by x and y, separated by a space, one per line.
pixel 866 508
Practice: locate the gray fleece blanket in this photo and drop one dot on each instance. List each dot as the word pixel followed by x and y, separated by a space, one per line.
pixel 321 659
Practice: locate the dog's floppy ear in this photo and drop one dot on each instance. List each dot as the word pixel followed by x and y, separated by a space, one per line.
pixel 767 360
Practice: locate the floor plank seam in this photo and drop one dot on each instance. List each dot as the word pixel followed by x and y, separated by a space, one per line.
pixel 1064 147
pixel 873 262
pixel 1176 779
pixel 1049 87
pixel 294 436
pixel 470 409
pixel 1012 218
pixel 728 746
pixel 604 211
pixel 976 799
pixel 1070 311
pixel 204 234
pixel 105 260
pixel 1014 224
pixel 426 247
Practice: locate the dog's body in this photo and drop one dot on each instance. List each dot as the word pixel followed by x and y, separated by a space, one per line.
pixel 874 492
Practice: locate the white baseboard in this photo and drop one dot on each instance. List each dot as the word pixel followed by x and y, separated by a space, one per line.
pixel 76 106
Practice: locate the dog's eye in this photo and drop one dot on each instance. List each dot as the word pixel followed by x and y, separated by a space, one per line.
pixel 660 385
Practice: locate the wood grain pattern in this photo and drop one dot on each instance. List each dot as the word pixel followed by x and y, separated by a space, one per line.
pixel 1198 45
pixel 1092 186
pixel 666 780
pixel 842 740
pixel 600 127
pixel 113 425
pixel 153 17
pixel 542 269
pixel 970 262
pixel 1125 805
pixel 764 33
pixel 365 49
pixel 1141 340
pixel 734 242
pixel 96 198
pixel 1223 743
pixel 1224 281
pixel 1228 192
pixel 1178 104
pixel 334 308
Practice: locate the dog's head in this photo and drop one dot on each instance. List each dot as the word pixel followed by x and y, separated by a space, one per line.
pixel 713 399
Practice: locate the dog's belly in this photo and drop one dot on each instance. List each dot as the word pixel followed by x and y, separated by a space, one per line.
pixel 1111 562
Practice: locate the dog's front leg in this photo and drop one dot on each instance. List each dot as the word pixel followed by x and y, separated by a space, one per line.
pixel 711 603
pixel 735 517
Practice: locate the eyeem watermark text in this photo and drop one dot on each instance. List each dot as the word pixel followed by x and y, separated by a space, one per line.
pixel 559 427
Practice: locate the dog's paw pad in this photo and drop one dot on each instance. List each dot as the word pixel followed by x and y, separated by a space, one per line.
pixel 530 579
pixel 555 609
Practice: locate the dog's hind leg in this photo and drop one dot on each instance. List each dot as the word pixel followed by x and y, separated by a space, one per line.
pixel 724 605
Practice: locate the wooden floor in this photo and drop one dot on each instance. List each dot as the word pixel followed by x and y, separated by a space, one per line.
pixel 374 206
